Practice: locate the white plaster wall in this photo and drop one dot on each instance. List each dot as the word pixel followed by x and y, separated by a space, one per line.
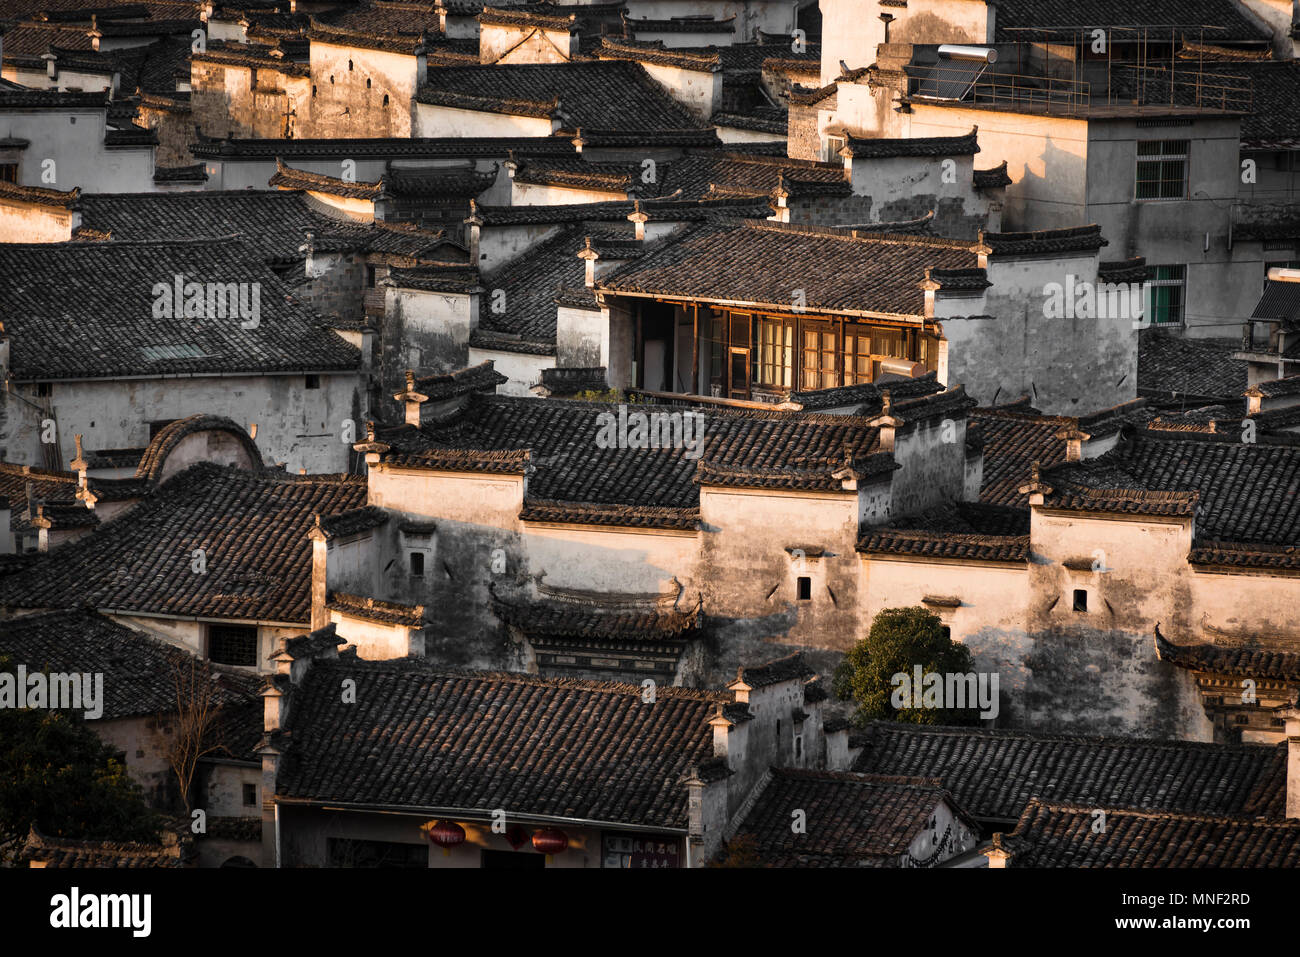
pixel 432 120
pixel 74 140
pixel 524 371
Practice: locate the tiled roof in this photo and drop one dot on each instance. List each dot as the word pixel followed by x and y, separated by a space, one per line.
pixel 1017 19
pixel 617 211
pixel 1066 835
pixel 701 173
pixel 1248 662
pixel 1247 492
pixel 1013 441
pixel 380 25
pixel 426 738
pixel 372 609
pixel 852 820
pixel 138 669
pixel 66 852
pixel 994 773
pixel 533 280
pixel 880 148
pixel 570 466
pixel 575 617
pixel 1171 366
pixel 98 321
pixel 252 529
pixel 1123 270
pixel 57 198
pixel 477 378
pixel 1044 241
pixel 415 147
pixel 868 394
pixel 932 544
pixel 992 178
pixel 875 273
pixel 1289 385
pixel 967 518
pixel 155 455
pixel 792 667
pixel 595 95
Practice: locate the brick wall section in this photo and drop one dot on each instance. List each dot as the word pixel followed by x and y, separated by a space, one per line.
pixel 338 292
pixel 176 135
pixel 802 139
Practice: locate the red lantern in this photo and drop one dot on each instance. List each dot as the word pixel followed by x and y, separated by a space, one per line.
pixel 550 841
pixel 447 834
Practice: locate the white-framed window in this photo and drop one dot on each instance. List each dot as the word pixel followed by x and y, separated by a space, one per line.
pixel 1161 170
pixel 1166 295
pixel 831 152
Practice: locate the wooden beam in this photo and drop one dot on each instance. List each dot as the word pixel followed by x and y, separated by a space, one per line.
pixel 695 351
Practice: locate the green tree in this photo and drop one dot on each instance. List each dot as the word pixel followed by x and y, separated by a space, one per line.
pixel 57 774
pixel 899 640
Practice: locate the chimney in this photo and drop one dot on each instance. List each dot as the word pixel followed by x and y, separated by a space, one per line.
pixel 739 689
pixel 1074 439
pixel 275 704
pixel 590 255
pixel 999 857
pixel 638 218
pixel 781 195
pixel 1036 488
pixel 371 446
pixel 886 422
pixel 1290 713
pixel 81 467
pixel 412 400
pixel 721 726
pixel 42 526
pixel 475 223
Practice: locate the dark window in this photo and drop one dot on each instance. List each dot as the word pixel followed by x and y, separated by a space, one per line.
pixel 1080 599
pixel 313 91
pixel 385 104
pixel 313 382
pixel 778 730
pixel 349 66
pixel 367 83
pixel 370 277
pixel 805 589
pixel 233 644
pixel 1166 294
pixel 417 564
pixel 44 389
pixel 8 172
pixel 250 795
pixel 157 425
pixel 947 632
pixel 798 745
pixel 1162 170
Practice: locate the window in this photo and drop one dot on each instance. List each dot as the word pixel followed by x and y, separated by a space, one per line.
pixel 250 795
pixel 233 644
pixel 367 83
pixel 385 99
pixel 798 745
pixel 1166 294
pixel 417 564
pixel 1080 599
pixel 1162 170
pixel 44 389
pixel 820 358
pixel 8 172
pixel 805 589
pixel 778 731
pixel 349 66
pixel 313 91
pixel 370 277
pixel 775 358
pixel 313 381
pixel 832 151
pixel 946 631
